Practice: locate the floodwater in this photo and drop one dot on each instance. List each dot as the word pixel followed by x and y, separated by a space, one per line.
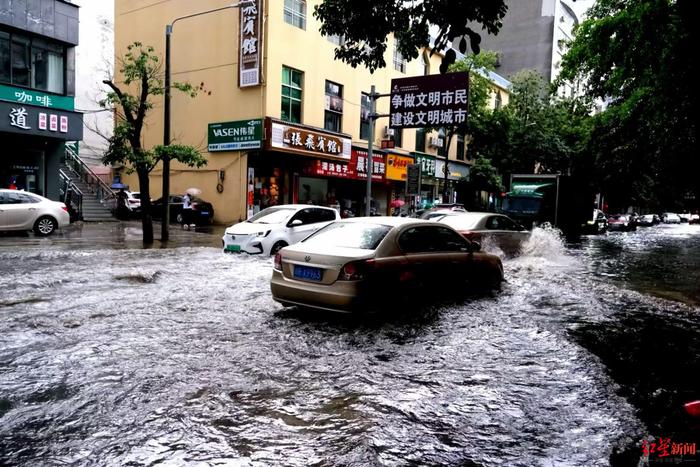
pixel 111 354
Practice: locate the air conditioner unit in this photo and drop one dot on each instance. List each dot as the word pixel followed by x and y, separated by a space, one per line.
pixel 436 142
pixel 388 132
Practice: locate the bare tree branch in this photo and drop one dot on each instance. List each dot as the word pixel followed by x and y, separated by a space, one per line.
pixel 122 99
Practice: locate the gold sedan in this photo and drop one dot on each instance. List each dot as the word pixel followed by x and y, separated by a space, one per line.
pixel 376 262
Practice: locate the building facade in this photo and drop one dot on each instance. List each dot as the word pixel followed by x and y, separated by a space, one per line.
pixel 280 119
pixel 37 89
pixel 533 36
pixel 96 59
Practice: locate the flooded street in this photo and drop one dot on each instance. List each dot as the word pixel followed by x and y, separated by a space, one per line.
pixel 111 354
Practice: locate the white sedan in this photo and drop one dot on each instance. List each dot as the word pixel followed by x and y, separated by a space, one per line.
pixel 276 227
pixel 21 210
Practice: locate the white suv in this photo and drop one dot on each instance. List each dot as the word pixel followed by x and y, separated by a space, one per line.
pixel 21 210
pixel 276 227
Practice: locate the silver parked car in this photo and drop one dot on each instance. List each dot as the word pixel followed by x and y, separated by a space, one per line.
pixel 488 227
pixel 21 210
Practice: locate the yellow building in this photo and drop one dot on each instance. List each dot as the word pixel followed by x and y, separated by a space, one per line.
pixel 277 77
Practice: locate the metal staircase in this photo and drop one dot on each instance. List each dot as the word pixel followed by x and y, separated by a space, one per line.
pixel 89 198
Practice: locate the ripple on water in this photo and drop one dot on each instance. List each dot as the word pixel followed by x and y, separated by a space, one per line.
pixel 182 357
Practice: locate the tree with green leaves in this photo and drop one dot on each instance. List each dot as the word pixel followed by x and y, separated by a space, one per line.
pixel 131 99
pixel 480 88
pixel 365 26
pixel 537 130
pixel 637 56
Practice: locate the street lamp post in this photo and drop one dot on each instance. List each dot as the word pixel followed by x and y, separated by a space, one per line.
pixel 164 233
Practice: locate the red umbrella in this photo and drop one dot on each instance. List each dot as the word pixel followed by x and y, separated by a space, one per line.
pixel 397 203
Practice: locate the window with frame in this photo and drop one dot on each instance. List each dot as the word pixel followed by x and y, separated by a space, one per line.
pixel 365 109
pixel 399 61
pixel 460 147
pixel 498 101
pixel 398 137
pixel 442 150
pixel 295 13
pixel 420 139
pixel 292 88
pixel 32 62
pixel 333 117
pixel 336 39
pixel 5 58
pixel 426 63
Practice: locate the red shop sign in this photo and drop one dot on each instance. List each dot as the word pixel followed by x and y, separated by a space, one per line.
pixel 358 164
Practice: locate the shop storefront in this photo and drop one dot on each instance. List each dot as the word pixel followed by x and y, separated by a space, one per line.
pixel 298 164
pixel 343 185
pixel 429 193
pixel 396 172
pixel 33 137
pixel 456 171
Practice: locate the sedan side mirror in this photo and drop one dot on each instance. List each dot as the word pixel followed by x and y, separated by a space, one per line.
pixel 295 223
pixel 475 246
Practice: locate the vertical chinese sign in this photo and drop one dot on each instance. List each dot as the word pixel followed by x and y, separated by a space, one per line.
pixel 429 101
pixel 250 44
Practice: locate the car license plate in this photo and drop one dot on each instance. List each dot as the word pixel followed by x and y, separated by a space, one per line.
pixel 307 273
pixel 233 248
pixel 205 213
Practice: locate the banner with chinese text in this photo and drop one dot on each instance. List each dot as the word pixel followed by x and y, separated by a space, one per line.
pixel 306 141
pixel 250 43
pixel 396 166
pixel 429 101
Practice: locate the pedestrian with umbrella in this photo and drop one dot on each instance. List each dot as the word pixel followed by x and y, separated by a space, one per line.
pixel 397 204
pixel 187 218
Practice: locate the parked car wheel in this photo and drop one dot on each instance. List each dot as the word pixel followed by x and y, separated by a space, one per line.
pixel 179 219
pixel 277 247
pixel 44 226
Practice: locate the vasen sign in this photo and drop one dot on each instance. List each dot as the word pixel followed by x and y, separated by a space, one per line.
pixel 235 136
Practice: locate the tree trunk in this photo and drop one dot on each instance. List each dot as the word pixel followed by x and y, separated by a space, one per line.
pixel 146 217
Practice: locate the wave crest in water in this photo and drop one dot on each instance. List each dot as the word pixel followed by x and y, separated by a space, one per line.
pixel 144 277
pixel 546 242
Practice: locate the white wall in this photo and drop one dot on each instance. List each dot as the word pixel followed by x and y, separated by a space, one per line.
pixel 94 60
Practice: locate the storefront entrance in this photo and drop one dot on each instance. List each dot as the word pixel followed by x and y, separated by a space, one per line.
pixel 24 171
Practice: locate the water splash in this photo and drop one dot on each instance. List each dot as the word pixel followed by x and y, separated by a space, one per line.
pixel 143 277
pixel 546 242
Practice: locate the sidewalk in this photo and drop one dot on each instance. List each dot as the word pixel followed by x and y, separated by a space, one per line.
pixel 115 235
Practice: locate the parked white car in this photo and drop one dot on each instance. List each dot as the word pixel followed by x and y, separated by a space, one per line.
pixel 276 227
pixel 133 202
pixel 21 210
pixel 670 218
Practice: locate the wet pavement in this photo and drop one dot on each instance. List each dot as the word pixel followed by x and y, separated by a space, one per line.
pixel 112 354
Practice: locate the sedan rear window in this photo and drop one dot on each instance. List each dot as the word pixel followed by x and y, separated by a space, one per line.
pixel 462 222
pixel 349 235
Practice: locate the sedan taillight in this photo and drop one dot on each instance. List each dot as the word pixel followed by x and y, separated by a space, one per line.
pixel 64 207
pixel 355 271
pixel 278 262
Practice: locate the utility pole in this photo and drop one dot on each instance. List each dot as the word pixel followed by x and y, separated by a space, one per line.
pixel 165 215
pixel 446 169
pixel 164 232
pixel 373 115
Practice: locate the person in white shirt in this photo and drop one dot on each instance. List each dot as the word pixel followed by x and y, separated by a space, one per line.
pixel 187 211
